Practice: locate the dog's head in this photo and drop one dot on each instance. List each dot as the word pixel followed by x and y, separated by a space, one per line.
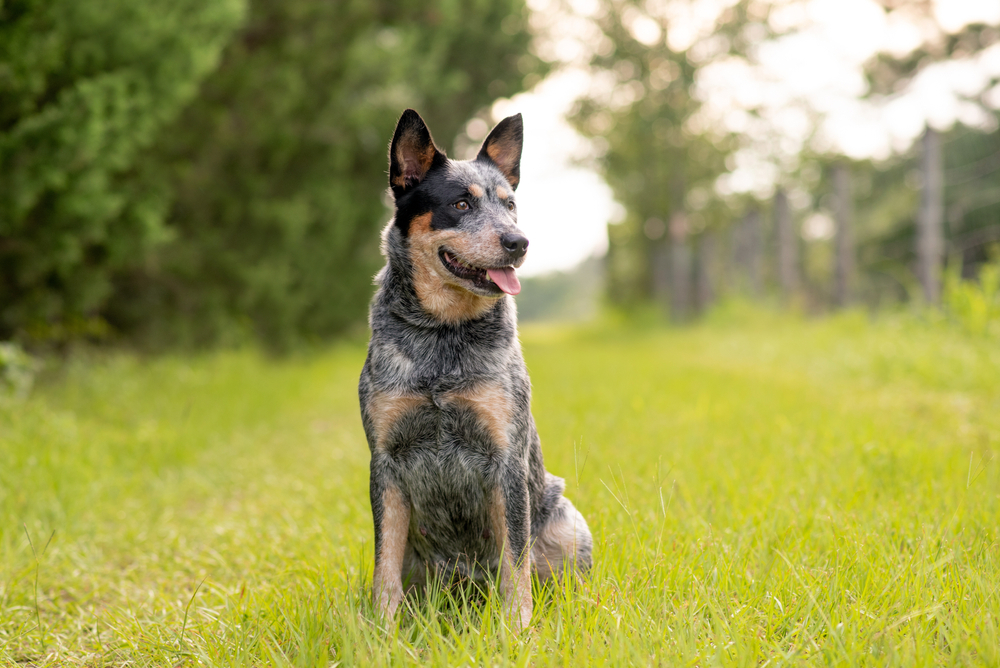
pixel 458 218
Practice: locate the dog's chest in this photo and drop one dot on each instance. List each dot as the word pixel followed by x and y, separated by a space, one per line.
pixel 449 423
pixel 450 499
pixel 462 411
pixel 448 456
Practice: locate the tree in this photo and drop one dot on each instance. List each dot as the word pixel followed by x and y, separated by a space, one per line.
pixel 889 74
pixel 85 88
pixel 278 169
pixel 660 165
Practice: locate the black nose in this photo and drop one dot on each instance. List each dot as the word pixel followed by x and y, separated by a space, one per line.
pixel 515 244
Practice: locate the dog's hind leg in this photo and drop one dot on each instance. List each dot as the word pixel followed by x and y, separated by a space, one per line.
pixel 415 572
pixel 564 541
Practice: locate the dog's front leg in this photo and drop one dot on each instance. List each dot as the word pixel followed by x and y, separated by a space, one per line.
pixel 511 525
pixel 391 513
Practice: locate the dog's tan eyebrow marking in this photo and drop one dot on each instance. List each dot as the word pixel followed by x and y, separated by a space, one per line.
pixel 387 409
pixel 476 190
pixel 422 223
pixel 494 407
pixel 501 192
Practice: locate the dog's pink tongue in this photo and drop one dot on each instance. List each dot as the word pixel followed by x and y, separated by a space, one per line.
pixel 505 279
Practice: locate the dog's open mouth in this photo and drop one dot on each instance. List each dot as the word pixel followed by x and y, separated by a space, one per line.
pixel 500 279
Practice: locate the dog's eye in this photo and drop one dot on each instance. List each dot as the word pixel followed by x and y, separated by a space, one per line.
pixel 510 205
pixel 461 205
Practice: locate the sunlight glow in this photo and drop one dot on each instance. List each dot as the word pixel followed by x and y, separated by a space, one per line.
pixel 563 206
pixel 813 75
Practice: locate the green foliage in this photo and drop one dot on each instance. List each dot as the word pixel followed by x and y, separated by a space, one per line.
pixel 85 88
pixel 888 73
pixel 887 199
pixel 975 305
pixel 202 172
pixel 17 371
pixel 278 170
pixel 760 489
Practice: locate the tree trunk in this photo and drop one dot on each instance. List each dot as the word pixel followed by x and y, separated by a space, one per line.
pixel 788 252
pixel 843 236
pixel 930 235
pixel 680 267
pixel 747 251
pixel 729 267
pixel 704 290
pixel 659 260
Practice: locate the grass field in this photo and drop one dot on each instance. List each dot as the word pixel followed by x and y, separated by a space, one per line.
pixel 762 491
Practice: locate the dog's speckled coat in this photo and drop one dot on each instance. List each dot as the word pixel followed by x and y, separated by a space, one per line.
pixel 458 485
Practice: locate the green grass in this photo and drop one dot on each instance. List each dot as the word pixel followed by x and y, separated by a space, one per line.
pixel 761 491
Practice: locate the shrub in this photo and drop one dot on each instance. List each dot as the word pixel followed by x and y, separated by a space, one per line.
pixel 975 305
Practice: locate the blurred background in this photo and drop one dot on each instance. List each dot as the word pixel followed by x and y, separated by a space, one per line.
pixel 185 174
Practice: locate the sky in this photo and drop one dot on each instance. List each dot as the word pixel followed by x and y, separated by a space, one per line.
pixel 564 206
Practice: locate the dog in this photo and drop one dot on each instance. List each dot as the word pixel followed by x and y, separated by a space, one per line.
pixel 458 486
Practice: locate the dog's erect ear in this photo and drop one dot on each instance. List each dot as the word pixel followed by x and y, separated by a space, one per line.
pixel 503 148
pixel 412 152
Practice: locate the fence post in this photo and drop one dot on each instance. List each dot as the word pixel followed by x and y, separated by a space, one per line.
pixel 680 267
pixel 704 290
pixel 750 251
pixel 788 275
pixel 843 236
pixel 659 260
pixel 930 220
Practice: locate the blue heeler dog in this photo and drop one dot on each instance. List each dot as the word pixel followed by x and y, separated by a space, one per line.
pixel 458 486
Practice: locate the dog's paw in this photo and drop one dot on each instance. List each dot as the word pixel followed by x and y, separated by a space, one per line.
pixel 523 617
pixel 519 614
pixel 387 599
